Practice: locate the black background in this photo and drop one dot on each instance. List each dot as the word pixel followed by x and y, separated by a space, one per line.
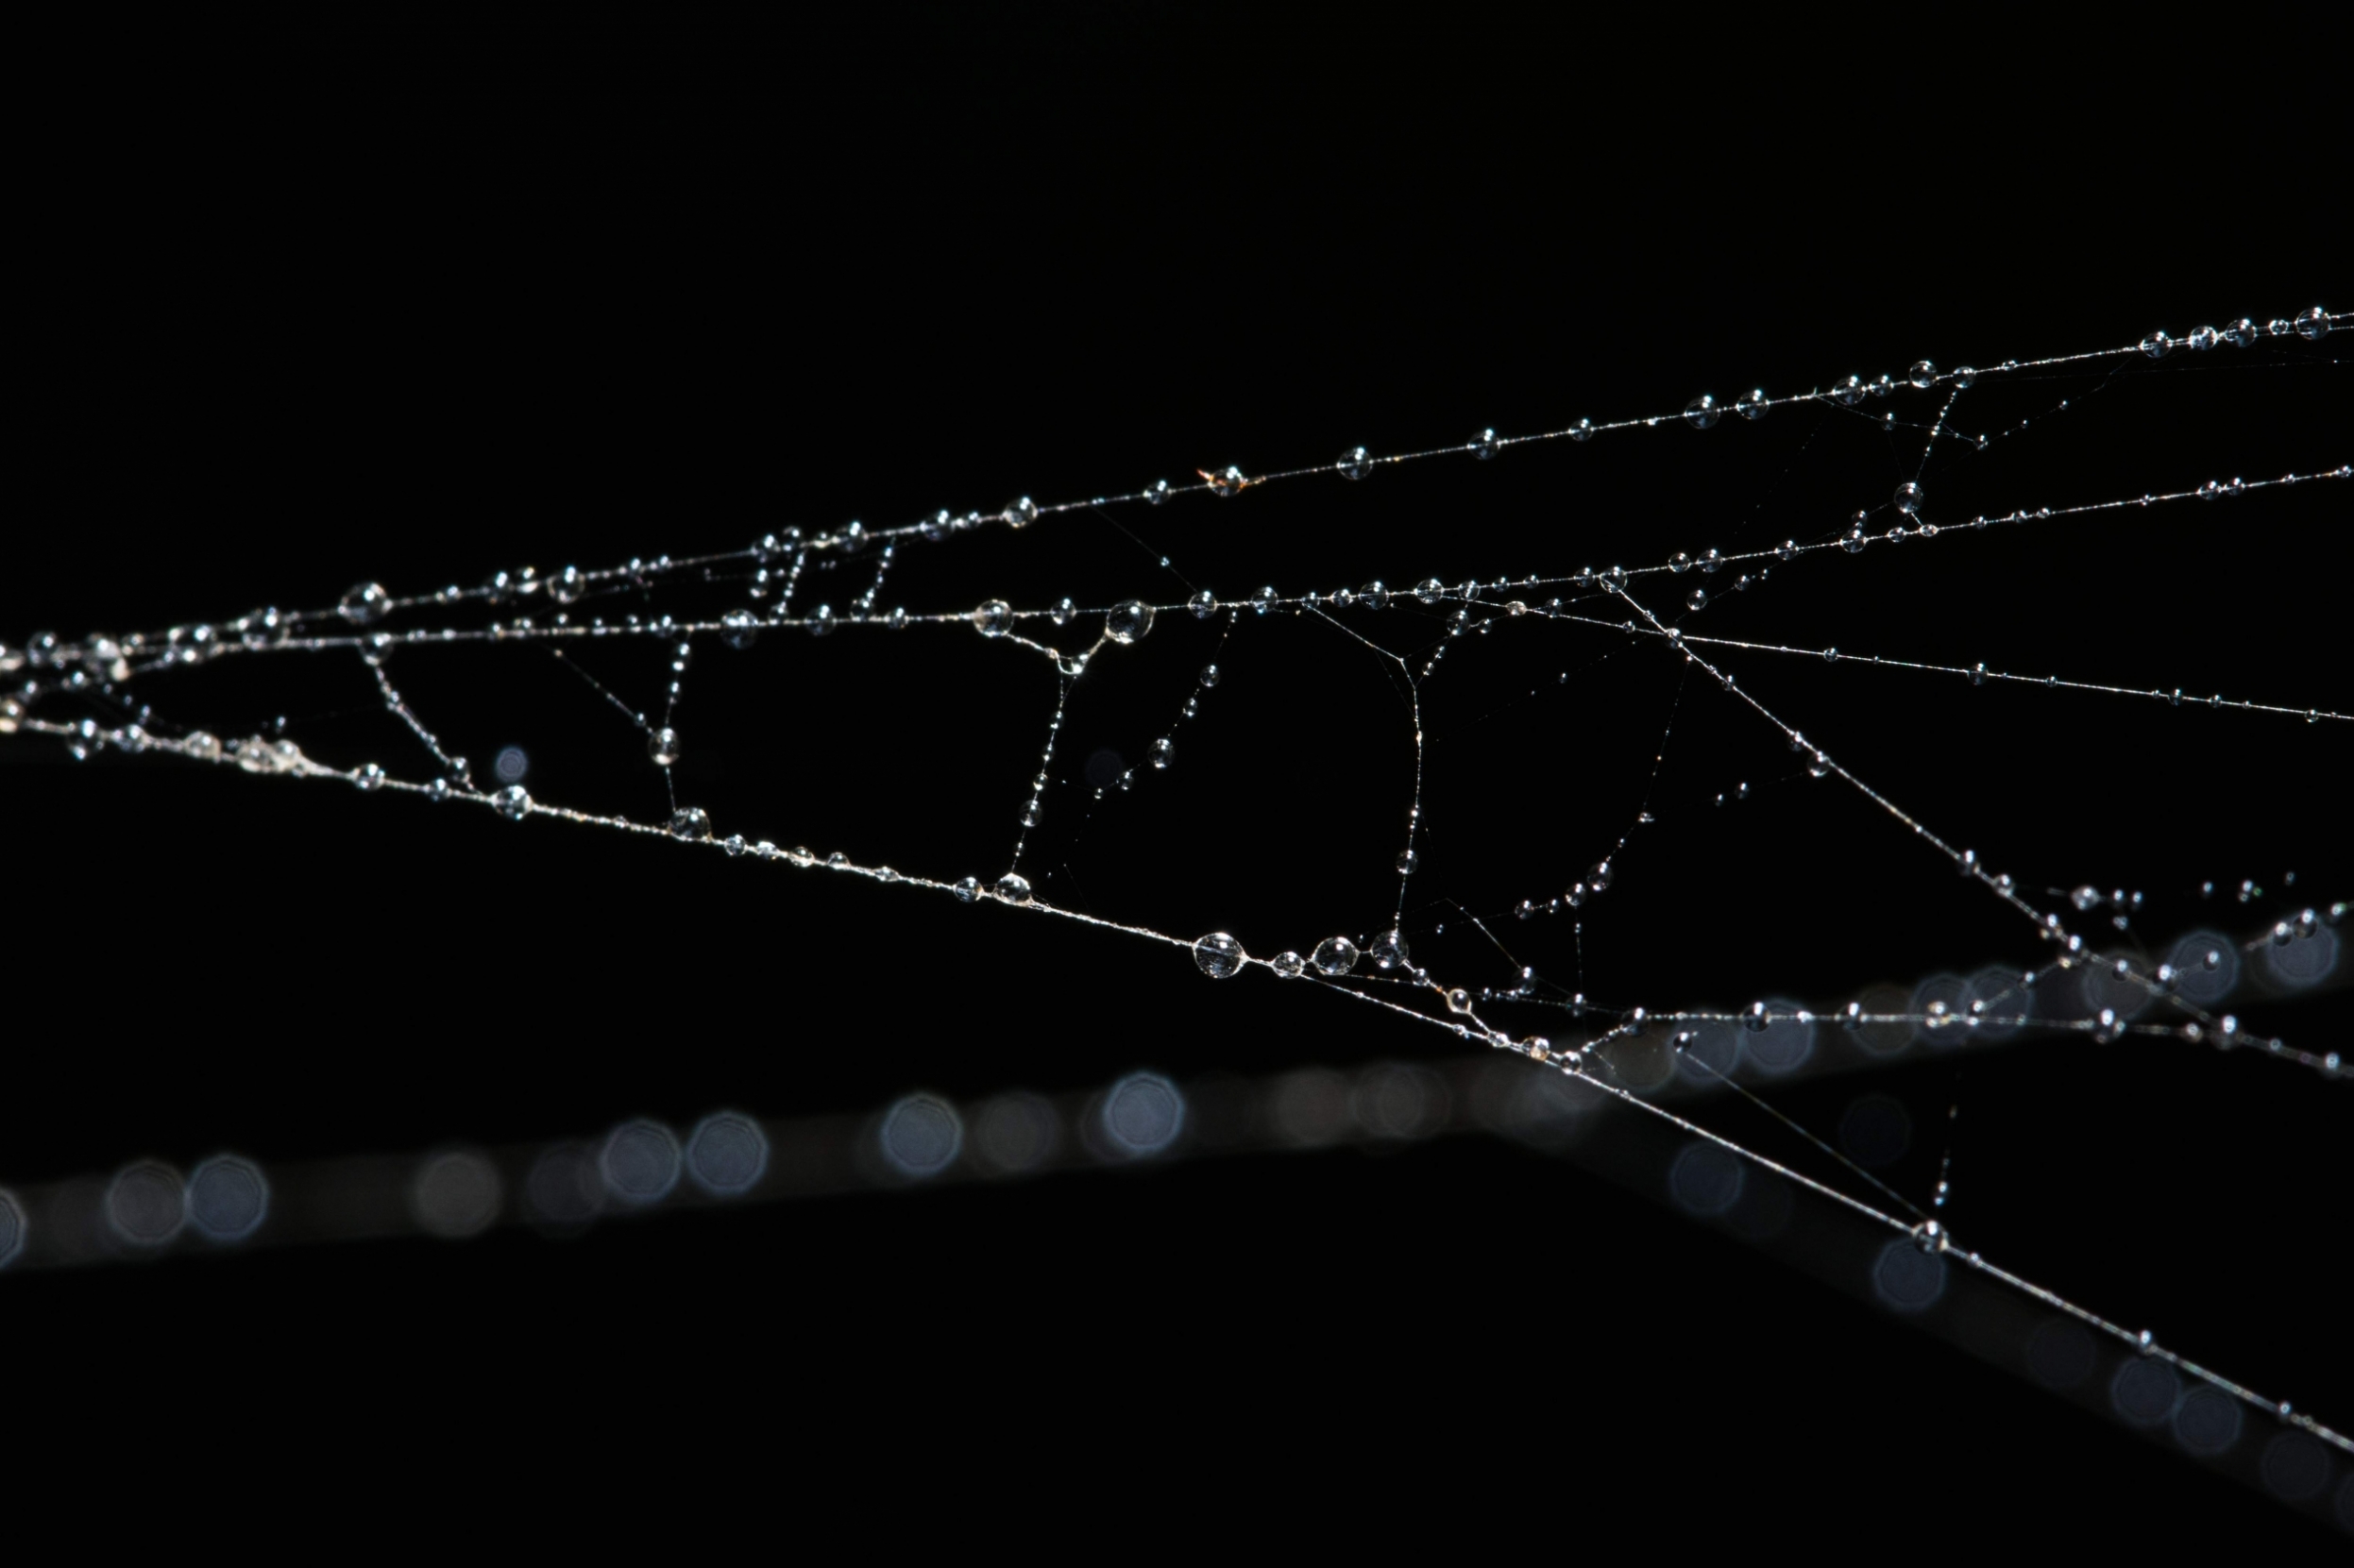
pixel 420 310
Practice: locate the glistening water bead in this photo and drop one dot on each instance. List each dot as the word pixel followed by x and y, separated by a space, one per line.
pixel 662 745
pixel 364 603
pixel 690 823
pixel 1013 889
pixel 1128 621
pixel 1908 499
pixel 1702 411
pixel 1355 463
pixel 1203 604
pixel 1389 951
pixel 739 628
pixel 1334 955
pixel 1219 956
pixel 993 617
pixel 511 803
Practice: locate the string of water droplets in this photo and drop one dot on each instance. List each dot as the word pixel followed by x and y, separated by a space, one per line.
pixel 1380 969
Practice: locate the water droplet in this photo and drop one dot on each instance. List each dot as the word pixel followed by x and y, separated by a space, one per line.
pixel 1459 1001
pixel 993 617
pixel 1389 951
pixel 1375 594
pixel 1157 492
pixel 2242 333
pixel 2084 898
pixel 1702 411
pixel 1203 604
pixel 1335 955
pixel 1923 374
pixel 1209 676
pixel 2312 322
pixel 511 803
pixel 1598 878
pixel 1695 598
pixel 1163 752
pixel 897 619
pixel 1753 405
pixel 1582 430
pixel 1483 445
pixel 739 629
pixel 2157 346
pixel 1021 512
pixel 1288 965
pixel 1128 621
pixel 1848 393
pixel 1218 955
pixel 1679 563
pixel 690 822
pixel 1228 483
pixel 369 777
pixel 821 620
pixel 1356 463
pixel 1407 861
pixel 567 585
pixel 1908 499
pixel 662 745
pixel 2203 339
pixel 1013 889
pixel 853 537
pixel 1616 579
pixel 1977 675
pixel 200 744
pixel 364 603
pixel 1853 540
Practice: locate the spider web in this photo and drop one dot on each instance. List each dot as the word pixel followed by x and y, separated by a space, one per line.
pixel 1546 802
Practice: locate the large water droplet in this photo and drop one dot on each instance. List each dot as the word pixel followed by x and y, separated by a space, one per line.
pixel 1389 951
pixel 1908 498
pixel 739 629
pixel 511 803
pixel 1356 463
pixel 1219 956
pixel 1334 955
pixel 993 617
pixel 1021 512
pixel 1163 752
pixel 690 822
pixel 364 603
pixel 1128 621
pixel 1483 445
pixel 1702 411
pixel 1751 405
pixel 1600 877
pixel 1923 374
pixel 967 889
pixel 1013 889
pixel 1288 965
pixel 662 745
pixel 2157 346
pixel 2312 322
pixel 1848 393
pixel 567 585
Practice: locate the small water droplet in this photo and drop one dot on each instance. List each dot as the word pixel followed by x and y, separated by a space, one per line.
pixel 364 603
pixel 1335 955
pixel 1218 955
pixel 1128 621
pixel 1288 965
pixel 1702 411
pixel 690 822
pixel 1355 463
pixel 2312 322
pixel 1484 444
pixel 739 629
pixel 1013 889
pixel 1021 512
pixel 662 745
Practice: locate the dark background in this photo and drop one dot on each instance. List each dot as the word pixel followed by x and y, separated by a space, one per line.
pixel 419 309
